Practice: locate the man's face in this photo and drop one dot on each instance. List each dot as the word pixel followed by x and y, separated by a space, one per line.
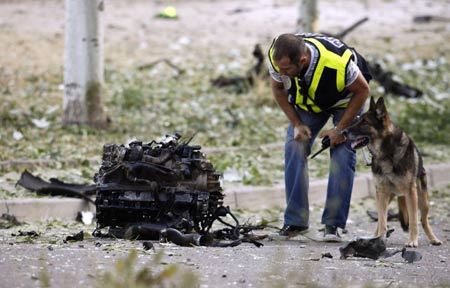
pixel 287 68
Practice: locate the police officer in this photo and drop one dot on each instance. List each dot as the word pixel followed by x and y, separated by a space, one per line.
pixel 313 78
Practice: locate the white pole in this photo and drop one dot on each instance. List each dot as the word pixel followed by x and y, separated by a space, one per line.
pixel 83 63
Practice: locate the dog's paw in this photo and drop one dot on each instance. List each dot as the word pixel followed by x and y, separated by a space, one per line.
pixel 436 242
pixel 413 244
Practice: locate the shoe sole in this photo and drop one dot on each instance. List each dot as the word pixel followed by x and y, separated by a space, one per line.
pixel 332 238
pixel 297 237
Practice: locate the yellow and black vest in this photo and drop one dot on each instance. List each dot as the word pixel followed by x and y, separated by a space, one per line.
pixel 327 86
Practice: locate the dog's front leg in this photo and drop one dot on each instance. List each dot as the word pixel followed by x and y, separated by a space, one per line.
pixel 383 198
pixel 411 204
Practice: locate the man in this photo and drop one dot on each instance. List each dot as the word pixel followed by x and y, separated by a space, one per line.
pixel 313 78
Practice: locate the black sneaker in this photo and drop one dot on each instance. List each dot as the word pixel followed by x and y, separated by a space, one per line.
pixel 331 234
pixel 289 232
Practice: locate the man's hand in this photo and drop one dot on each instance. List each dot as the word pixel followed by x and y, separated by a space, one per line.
pixel 302 132
pixel 336 138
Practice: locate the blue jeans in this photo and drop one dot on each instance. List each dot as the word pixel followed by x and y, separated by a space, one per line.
pixel 340 180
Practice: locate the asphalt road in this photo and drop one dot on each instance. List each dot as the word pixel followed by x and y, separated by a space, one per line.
pixel 276 264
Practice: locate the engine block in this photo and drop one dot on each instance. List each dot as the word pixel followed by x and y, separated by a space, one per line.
pixel 166 182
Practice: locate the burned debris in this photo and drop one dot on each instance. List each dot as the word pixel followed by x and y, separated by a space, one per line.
pixel 366 247
pixel 165 188
pixel 147 191
pixel 386 79
pixel 8 221
pixel 148 187
pixel 56 187
pixel 375 248
pixel 243 83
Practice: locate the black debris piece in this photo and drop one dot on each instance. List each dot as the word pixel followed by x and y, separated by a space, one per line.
pixel 386 78
pixel 327 255
pixel 32 234
pixel 411 256
pixel 76 237
pixel 373 215
pixel 148 245
pixel 11 221
pixel 56 187
pixel 142 231
pixel 192 239
pixel 243 83
pixel 344 32
pixel 390 85
pixel 429 18
pixel 367 247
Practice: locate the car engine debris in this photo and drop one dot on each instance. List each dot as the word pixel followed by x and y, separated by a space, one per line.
pixel 163 188
pixel 375 248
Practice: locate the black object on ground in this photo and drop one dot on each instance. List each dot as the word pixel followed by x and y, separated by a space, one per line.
pixel 76 237
pixel 56 187
pixel 366 247
pixel 392 216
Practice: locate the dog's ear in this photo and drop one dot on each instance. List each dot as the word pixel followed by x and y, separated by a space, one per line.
pixel 380 108
pixel 372 104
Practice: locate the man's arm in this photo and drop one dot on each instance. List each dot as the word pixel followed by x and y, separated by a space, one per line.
pixel 360 89
pixel 301 131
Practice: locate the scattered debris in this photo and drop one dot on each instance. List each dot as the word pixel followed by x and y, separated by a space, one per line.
pixel 76 237
pixel 327 255
pixel 242 83
pixel 85 217
pixel 32 234
pixel 147 231
pixel 375 248
pixel 164 188
pixel 56 187
pixel 148 245
pixel 176 237
pixel 366 247
pixel 429 18
pixel 164 60
pixel 10 220
pixel 373 215
pixel 344 32
pixel 411 256
pixel 390 85
pixel 385 78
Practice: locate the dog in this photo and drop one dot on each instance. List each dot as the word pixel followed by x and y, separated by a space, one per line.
pixel 398 170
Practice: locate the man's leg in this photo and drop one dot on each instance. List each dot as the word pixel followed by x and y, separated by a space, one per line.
pixel 340 182
pixel 296 170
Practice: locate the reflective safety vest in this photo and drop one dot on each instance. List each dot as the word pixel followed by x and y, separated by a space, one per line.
pixel 327 87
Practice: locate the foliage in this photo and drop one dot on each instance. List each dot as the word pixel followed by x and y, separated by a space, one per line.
pixel 425 119
pixel 148 103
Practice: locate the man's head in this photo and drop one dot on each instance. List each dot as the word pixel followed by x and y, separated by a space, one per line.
pixel 289 54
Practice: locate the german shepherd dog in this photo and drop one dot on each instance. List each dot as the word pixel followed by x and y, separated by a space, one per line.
pixel 397 168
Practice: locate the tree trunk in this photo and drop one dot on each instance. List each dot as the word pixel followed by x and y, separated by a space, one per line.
pixel 308 20
pixel 83 64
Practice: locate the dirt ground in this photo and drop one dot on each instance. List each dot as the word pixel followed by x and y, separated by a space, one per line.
pixel 32 32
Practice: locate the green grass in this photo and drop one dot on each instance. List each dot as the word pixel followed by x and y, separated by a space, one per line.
pixel 146 105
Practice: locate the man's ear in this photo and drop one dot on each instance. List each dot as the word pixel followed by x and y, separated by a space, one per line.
pixel 303 60
pixel 380 108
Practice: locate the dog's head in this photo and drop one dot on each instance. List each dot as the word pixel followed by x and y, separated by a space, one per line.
pixel 370 126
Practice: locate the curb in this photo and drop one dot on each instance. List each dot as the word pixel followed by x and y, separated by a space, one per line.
pixel 236 197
